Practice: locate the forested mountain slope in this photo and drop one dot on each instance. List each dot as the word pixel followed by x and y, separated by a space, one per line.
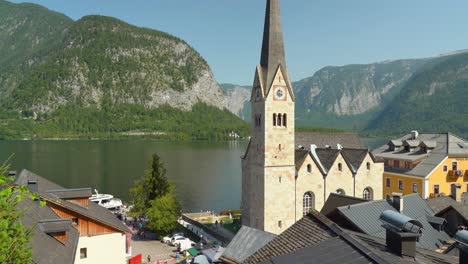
pixel 100 75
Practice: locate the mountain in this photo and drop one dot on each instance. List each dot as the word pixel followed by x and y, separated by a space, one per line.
pixel 238 100
pixel 124 78
pixel 28 33
pixel 434 99
pixel 387 98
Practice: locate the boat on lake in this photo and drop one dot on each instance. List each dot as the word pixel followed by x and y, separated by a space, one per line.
pixel 106 200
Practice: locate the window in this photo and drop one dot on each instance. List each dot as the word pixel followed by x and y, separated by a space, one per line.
pixel 274 119
pixel 407 165
pixel 367 194
pixel 436 188
pixel 279 179
pixel 340 191
pixel 368 165
pixel 415 187
pixel 340 167
pixel 445 168
pixel 309 168
pixel 74 221
pixel 400 184
pixel 454 165
pixel 396 163
pixel 280 224
pixel 259 119
pixel 308 203
pixel 83 253
pixel 279 147
pixel 278 122
pixel 387 182
pixel 284 119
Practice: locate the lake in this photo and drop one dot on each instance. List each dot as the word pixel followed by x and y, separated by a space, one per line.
pixel 207 174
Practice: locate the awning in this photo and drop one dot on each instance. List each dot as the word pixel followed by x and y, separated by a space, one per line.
pixel 193 252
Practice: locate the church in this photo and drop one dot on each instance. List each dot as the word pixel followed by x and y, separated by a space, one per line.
pixel 286 174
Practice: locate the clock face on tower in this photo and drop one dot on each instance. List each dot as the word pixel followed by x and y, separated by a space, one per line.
pixel 279 93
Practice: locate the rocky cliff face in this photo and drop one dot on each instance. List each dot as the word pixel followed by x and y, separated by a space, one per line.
pixel 238 100
pixel 101 61
pixel 354 89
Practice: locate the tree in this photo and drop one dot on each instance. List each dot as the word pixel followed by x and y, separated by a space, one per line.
pixel 164 212
pixel 14 237
pixel 154 185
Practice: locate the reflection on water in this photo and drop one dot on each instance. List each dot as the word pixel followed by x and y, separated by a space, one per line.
pixel 207 174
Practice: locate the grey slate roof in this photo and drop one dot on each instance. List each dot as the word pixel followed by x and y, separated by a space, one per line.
pixel 347 140
pixel 331 251
pixel 299 156
pixel 92 211
pixel 445 144
pixel 72 193
pixel 54 225
pixel 354 157
pixel 353 248
pixel 246 242
pixel 443 203
pixel 365 218
pixel 310 230
pixel 45 248
pixel 327 157
pixel 336 200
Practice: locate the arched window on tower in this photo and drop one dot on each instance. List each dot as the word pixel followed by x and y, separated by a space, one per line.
pixel 259 119
pixel 368 194
pixel 279 120
pixel 368 165
pixel 340 167
pixel 309 168
pixel 284 119
pixel 308 202
pixel 274 119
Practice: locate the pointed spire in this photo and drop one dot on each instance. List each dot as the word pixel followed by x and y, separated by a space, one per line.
pixel 273 54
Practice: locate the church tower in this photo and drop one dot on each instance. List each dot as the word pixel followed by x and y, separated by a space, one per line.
pixel 268 167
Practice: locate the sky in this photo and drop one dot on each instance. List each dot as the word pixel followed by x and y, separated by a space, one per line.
pixel 318 33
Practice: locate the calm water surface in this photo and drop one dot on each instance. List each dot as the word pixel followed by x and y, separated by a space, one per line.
pixel 207 174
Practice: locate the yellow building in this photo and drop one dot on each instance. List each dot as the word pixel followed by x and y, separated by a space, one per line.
pixel 426 163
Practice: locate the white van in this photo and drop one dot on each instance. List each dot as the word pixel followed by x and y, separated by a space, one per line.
pixel 184 245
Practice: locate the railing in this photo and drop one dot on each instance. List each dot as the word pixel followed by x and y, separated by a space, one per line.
pixel 188 219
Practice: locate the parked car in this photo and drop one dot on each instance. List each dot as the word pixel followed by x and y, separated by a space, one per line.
pixel 184 245
pixel 168 239
pixel 175 240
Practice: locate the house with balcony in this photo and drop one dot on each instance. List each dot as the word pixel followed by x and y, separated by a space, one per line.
pixel 69 228
pixel 426 163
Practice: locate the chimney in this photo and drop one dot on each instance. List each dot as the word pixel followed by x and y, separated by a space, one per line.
pixel 32 186
pixel 414 134
pixel 462 244
pixel 402 233
pixel 455 192
pixel 397 202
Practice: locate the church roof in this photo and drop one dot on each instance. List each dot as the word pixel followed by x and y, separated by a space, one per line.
pixel 273 54
pixel 354 157
pixel 327 157
pixel 347 140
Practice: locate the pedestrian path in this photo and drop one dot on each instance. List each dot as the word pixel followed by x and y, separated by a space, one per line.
pixel 207 238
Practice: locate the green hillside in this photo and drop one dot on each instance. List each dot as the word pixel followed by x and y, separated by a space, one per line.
pixel 434 99
pixel 101 77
